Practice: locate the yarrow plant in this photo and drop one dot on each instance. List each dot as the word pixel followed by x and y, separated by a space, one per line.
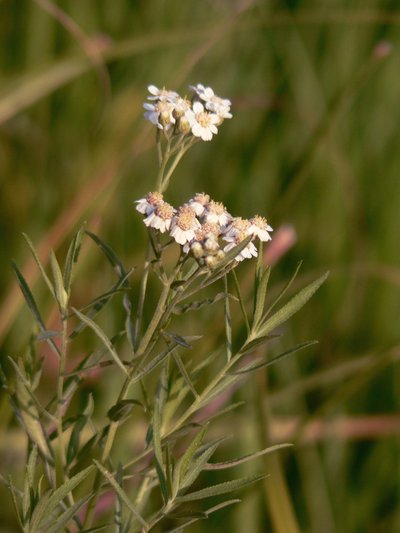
pixel 77 478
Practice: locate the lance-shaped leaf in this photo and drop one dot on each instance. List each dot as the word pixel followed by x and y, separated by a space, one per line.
pixel 103 337
pixel 197 466
pixel 260 295
pixel 244 459
pixel 285 288
pixel 220 488
pixel 72 258
pixel 39 263
pixel 290 308
pixel 198 304
pixel 52 499
pixel 122 409
pixel 69 513
pixel 152 364
pixel 183 464
pixel 59 289
pixel 121 493
pixel 110 254
pixel 28 414
pixel 13 493
pixel 205 514
pixel 256 366
pixel 29 297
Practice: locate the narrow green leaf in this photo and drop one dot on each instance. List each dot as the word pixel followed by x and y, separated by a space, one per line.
pixel 228 322
pixel 285 288
pixel 184 462
pixel 290 308
pixel 74 440
pixel 152 364
pixel 195 469
pixel 46 335
pixel 110 254
pixel 39 264
pixel 13 494
pixel 181 366
pixel 252 366
pixel 249 347
pixel 121 493
pixel 31 467
pixel 220 488
pixel 203 515
pixel 66 516
pixel 28 414
pixel 241 301
pixel 103 337
pixel 240 460
pixel 159 403
pixel 72 258
pixel 28 297
pixel 260 297
pixel 59 290
pixel 198 304
pixel 178 339
pixel 98 303
pixel 52 499
pixel 122 409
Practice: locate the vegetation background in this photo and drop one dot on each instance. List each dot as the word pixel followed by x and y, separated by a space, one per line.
pixel 314 145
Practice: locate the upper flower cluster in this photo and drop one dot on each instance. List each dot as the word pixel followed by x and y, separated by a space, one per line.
pixel 200 116
pixel 203 227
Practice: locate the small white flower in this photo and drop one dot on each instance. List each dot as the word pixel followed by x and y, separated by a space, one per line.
pixel 248 251
pixel 149 204
pixel 184 225
pixel 203 124
pixel 236 226
pixel 215 104
pixel 199 203
pixel 161 217
pixel 161 94
pixel 259 227
pixel 216 213
pixel 160 114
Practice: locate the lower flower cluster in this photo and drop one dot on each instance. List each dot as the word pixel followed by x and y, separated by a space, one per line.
pixel 204 227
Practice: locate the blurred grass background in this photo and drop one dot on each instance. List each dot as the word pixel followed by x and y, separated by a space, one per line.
pixel 313 143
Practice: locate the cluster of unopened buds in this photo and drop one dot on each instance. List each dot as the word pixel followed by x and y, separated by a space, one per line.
pixel 199 116
pixel 204 227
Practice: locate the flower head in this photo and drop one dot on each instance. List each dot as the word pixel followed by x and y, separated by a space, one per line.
pixel 216 213
pixel 259 227
pixel 199 203
pixel 184 225
pixel 248 251
pixel 161 94
pixel 148 204
pixel 161 217
pixel 202 122
pixel 220 106
pixel 160 114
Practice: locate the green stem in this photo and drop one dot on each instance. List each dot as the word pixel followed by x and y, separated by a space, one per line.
pixel 60 471
pixel 142 293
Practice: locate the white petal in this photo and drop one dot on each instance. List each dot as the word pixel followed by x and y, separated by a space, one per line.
pixel 198 107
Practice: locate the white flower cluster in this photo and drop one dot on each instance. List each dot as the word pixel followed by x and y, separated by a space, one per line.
pixel 203 227
pixel 201 115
